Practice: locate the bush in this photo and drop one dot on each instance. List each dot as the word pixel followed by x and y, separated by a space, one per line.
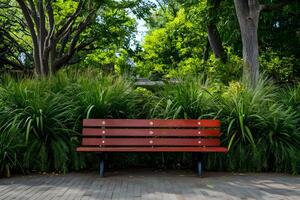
pixel 280 67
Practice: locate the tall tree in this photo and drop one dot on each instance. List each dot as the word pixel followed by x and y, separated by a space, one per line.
pixel 248 13
pixel 55 42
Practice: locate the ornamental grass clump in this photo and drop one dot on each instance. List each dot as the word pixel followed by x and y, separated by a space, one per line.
pixel 260 133
pixel 11 147
pixel 190 98
pixel 44 120
pixel 106 97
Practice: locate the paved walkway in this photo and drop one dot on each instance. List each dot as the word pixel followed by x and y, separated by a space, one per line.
pixel 146 184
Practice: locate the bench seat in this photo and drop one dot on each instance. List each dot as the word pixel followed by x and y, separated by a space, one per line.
pixel 152 149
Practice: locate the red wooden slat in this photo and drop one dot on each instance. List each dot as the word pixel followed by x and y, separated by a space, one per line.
pixel 150 123
pixel 150 132
pixel 152 149
pixel 149 142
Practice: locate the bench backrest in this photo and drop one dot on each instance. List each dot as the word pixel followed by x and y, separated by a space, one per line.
pixel 150 133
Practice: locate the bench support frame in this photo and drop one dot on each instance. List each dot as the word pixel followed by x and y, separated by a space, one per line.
pixel 200 164
pixel 101 164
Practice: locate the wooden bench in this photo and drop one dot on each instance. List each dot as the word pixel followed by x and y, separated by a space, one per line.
pixel 140 135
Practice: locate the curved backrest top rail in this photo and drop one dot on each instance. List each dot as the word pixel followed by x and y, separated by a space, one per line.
pixel 188 123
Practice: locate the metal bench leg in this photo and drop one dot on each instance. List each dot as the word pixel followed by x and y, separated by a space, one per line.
pixel 200 164
pixel 101 165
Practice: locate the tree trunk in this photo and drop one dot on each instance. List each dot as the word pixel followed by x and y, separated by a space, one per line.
pixel 248 16
pixel 213 33
pixel 205 54
pixel 215 42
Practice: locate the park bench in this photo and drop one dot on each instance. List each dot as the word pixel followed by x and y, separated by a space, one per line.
pixel 141 135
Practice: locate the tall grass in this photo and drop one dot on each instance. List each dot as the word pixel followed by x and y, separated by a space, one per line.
pixel 106 97
pixel 290 99
pixel 40 119
pixel 45 115
pixel 44 120
pixel 10 149
pixel 260 132
pixel 191 98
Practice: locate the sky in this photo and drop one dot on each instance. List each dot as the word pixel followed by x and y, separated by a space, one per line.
pixel 141 30
pixel 141 27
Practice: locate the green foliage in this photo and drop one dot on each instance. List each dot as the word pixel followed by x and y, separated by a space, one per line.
pixel 220 72
pixel 10 148
pixel 106 97
pixel 279 67
pixel 171 49
pixel 261 133
pixel 40 120
pixel 242 106
pixel 179 48
pixel 291 97
pixel 177 44
pixel 43 118
pixel 110 61
pixel 188 99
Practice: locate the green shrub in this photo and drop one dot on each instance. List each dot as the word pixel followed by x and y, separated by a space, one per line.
pixel 281 68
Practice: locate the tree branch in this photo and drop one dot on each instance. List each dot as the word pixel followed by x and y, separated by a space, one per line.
pixel 64 42
pixel 64 59
pixel 29 21
pixel 34 12
pixel 42 23
pixel 50 42
pixel 11 63
pixel 81 28
pixel 13 41
pixel 51 23
pixel 70 20
pixel 30 25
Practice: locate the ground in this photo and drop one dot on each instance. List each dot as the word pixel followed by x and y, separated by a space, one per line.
pixel 149 184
